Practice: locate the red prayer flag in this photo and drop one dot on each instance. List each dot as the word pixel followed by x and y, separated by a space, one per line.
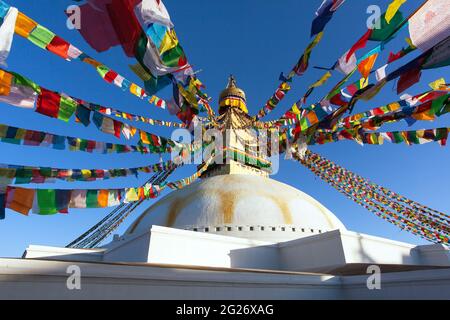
pixel 361 43
pixel 96 26
pixel 117 128
pixel 110 76
pixel 125 24
pixel 408 79
pixel 59 47
pixel 48 103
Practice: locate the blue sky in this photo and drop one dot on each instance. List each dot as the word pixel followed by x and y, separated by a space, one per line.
pixel 254 40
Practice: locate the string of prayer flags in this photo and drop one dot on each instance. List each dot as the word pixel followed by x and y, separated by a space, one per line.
pixel 62 107
pixel 310 90
pixel 381 32
pixel 324 15
pixel 299 69
pixel 410 73
pixel 433 104
pixel 19 136
pixel 155 143
pixel 176 185
pixel 51 201
pixel 29 174
pixel 417 213
pixel 16 92
pixel 303 63
pixel 411 137
pixel 348 63
pixel 271 104
pixel 133 117
pixel 160 57
pixel 400 211
pixel 47 40
pixel 20 91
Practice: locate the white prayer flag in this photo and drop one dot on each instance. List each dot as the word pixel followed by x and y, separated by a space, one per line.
pixel 7 34
pixel 431 24
pixel 154 11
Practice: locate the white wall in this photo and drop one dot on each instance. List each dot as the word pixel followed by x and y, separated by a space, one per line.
pixel 181 247
pixel 37 279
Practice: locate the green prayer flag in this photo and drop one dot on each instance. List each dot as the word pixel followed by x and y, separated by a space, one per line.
pixel 20 80
pixel 46 199
pixel 41 36
pixel 67 107
pixel 103 70
pixel 397 137
pixel 23 175
pixel 438 103
pixel 441 133
pixel 412 137
pixel 171 58
pixel 83 145
pixel 386 30
pixel 92 199
pixel 303 124
pixel 445 109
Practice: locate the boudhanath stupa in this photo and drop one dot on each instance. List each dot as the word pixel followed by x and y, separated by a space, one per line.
pixel 235 234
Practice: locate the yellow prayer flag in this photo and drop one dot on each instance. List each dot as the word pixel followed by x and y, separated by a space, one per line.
pixel 295 109
pixel 436 85
pixel 322 80
pixel 139 70
pixel 372 92
pixel 169 41
pixel 24 25
pixel 392 9
pixel 285 86
pixel 134 89
pixel 394 106
pixel 144 137
pixel 423 116
pixel 131 195
pixel 86 173
pixel 410 43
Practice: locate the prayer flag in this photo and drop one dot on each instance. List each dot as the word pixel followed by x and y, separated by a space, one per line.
pixel 7 33
pixel 393 8
pixel 365 66
pixel 154 11
pixel 19 199
pixel 430 25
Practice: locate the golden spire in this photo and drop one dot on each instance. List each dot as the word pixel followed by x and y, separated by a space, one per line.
pixel 232 96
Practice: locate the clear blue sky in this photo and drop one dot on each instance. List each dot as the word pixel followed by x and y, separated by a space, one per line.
pixel 255 40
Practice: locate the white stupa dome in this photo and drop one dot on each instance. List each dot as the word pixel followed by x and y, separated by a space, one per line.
pixel 247 206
